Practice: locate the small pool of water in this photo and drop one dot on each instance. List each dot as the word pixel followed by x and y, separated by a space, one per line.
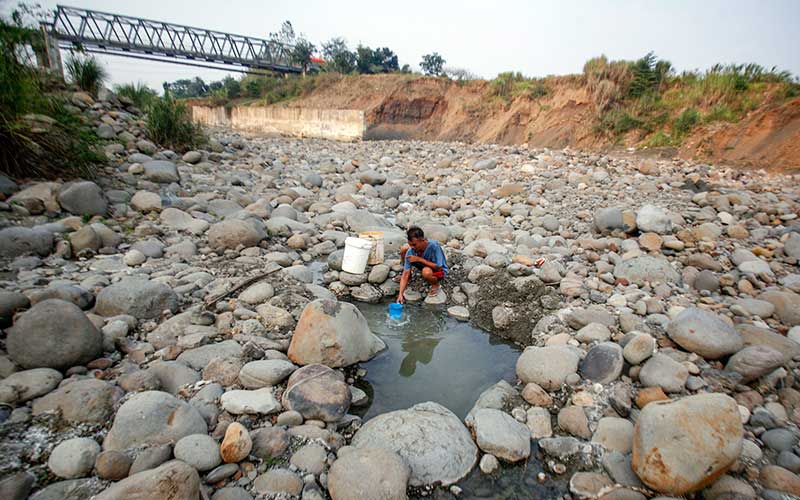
pixel 431 357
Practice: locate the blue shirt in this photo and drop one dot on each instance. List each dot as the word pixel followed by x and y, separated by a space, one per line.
pixel 433 253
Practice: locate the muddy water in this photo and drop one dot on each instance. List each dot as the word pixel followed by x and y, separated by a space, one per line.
pixel 431 357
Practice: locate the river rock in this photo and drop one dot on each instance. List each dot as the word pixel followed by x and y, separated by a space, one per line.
pixel 646 268
pixel 684 445
pixel 428 437
pixel 112 465
pixel 664 372
pixel 81 401
pixel 233 232
pixel 145 201
pixel 73 458
pixel 83 198
pixel 334 334
pixel 153 417
pixel 162 171
pixel 496 432
pixel 264 373
pixel 260 402
pixel 198 450
pixel 318 393
pixel 603 363
pixel 173 480
pixel 787 306
pixel 16 241
pixel 754 361
pixel 779 479
pixel 704 333
pixel 138 297
pixel 368 473
pixel 36 340
pixel 547 366
pixel 25 385
pixel 278 483
pixel 236 445
pixel 614 434
pixel 653 219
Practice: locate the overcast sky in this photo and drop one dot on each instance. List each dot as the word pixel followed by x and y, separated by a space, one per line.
pixel 535 37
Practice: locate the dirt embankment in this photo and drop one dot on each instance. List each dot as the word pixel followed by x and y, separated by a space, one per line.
pixel 407 107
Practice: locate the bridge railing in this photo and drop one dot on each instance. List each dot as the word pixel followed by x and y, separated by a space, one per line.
pixel 114 32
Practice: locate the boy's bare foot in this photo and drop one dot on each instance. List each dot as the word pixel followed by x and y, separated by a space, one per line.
pixel 434 291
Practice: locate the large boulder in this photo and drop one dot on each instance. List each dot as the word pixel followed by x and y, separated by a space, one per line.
pixel 16 241
pixel 646 268
pixel 82 401
pixel 174 480
pixel 83 198
pixel 54 334
pixel 754 361
pixel 234 232
pixel 683 445
pixel 161 171
pixel 547 366
pixel 368 473
pixel 317 392
pixel 704 333
pixel 334 334
pixel 428 437
pixel 153 417
pixel 138 297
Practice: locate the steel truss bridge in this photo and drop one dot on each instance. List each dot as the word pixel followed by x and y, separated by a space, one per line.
pixel 127 36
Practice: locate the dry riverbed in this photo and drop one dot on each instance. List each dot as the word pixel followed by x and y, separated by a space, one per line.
pixel 660 333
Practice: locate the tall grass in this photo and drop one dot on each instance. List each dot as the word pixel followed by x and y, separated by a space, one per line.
pixel 646 96
pixel 140 94
pixel 39 138
pixel 169 123
pixel 86 73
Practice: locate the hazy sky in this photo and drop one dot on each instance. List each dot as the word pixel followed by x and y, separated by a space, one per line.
pixel 535 37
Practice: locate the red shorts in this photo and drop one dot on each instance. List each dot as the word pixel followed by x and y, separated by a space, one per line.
pixel 438 274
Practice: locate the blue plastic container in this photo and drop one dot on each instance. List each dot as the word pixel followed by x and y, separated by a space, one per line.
pixel 395 310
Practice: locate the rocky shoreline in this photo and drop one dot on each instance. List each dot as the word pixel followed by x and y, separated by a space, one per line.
pixel 180 326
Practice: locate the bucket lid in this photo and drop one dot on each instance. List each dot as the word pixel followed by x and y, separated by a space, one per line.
pixel 358 243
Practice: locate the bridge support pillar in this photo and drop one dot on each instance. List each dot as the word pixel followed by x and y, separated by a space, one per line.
pixel 49 56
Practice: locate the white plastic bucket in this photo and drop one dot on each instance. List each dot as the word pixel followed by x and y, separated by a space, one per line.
pixel 356 255
pixel 376 254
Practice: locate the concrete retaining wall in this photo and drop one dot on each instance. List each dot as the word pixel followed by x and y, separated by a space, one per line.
pixel 335 124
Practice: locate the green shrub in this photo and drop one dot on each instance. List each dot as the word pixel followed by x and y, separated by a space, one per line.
pixel 169 123
pixel 659 140
pixel 86 73
pixel 139 93
pixel 685 122
pixel 721 113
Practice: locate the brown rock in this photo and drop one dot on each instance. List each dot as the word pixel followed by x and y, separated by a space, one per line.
pixel 780 479
pixel 572 419
pixel 684 445
pixel 649 394
pixel 651 241
pixel 223 370
pixel 317 392
pixel 270 442
pixel 236 445
pixel 535 395
pixel 112 465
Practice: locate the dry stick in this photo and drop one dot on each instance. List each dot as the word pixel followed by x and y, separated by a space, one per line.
pixel 247 282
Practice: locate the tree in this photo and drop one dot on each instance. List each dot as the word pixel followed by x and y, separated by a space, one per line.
pixel 285 35
pixel 385 59
pixel 364 56
pixel 339 57
pixel 432 64
pixel 185 87
pixel 302 52
pixel 232 87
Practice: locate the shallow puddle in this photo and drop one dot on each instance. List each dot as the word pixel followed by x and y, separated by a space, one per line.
pixel 431 357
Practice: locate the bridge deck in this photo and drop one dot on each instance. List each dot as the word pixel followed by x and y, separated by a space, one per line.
pixel 116 33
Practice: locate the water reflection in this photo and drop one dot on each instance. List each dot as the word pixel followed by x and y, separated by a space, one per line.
pixel 419 344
